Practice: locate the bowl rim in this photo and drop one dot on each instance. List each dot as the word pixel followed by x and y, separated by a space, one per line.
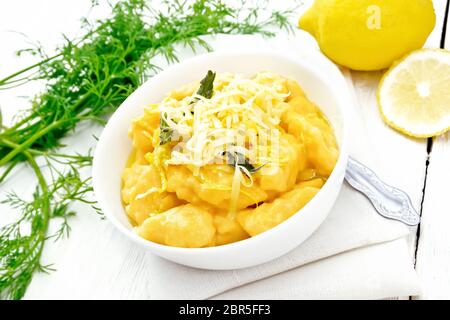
pixel 339 167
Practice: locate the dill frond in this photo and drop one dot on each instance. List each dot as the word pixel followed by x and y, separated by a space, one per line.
pixel 87 80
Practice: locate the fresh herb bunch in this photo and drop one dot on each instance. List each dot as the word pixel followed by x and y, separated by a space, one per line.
pixel 87 80
pixel 20 253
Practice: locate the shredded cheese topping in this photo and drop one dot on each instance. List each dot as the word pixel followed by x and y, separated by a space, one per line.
pixel 210 126
pixel 242 116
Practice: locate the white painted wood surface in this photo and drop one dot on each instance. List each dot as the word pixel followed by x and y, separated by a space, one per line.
pixel 433 252
pixel 402 165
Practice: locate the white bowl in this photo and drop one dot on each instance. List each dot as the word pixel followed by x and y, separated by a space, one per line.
pixel 323 84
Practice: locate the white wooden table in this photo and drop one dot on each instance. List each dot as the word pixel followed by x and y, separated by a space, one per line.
pixel 408 164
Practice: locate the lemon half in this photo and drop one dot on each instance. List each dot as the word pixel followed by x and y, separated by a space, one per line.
pixel 414 95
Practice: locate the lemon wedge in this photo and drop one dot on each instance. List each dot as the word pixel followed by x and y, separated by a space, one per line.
pixel 414 95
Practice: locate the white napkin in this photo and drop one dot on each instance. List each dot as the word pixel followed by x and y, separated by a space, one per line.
pixel 366 255
pixel 373 272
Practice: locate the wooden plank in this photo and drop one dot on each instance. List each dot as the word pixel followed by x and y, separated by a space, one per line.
pixel 433 254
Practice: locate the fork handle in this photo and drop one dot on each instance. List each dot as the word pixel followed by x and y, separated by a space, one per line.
pixel 390 202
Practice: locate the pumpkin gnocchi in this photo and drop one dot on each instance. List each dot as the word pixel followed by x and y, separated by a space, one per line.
pixel 224 159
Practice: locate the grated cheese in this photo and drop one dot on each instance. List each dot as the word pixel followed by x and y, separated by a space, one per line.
pixel 242 115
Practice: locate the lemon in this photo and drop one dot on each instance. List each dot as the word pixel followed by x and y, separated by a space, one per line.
pixel 369 34
pixel 414 95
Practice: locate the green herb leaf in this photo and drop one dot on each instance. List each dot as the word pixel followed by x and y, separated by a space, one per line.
pixel 165 134
pixel 236 158
pixel 206 88
pixel 207 85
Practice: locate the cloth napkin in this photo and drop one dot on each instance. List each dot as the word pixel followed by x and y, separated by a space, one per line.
pixel 354 254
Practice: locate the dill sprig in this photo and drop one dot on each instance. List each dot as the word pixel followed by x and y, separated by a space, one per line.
pixel 20 251
pixel 86 80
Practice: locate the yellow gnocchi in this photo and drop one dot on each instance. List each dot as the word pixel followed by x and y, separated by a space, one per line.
pixel 271 214
pixel 185 226
pixel 224 159
pixel 213 186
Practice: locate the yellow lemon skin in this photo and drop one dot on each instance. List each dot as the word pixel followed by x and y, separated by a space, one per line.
pixel 369 35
